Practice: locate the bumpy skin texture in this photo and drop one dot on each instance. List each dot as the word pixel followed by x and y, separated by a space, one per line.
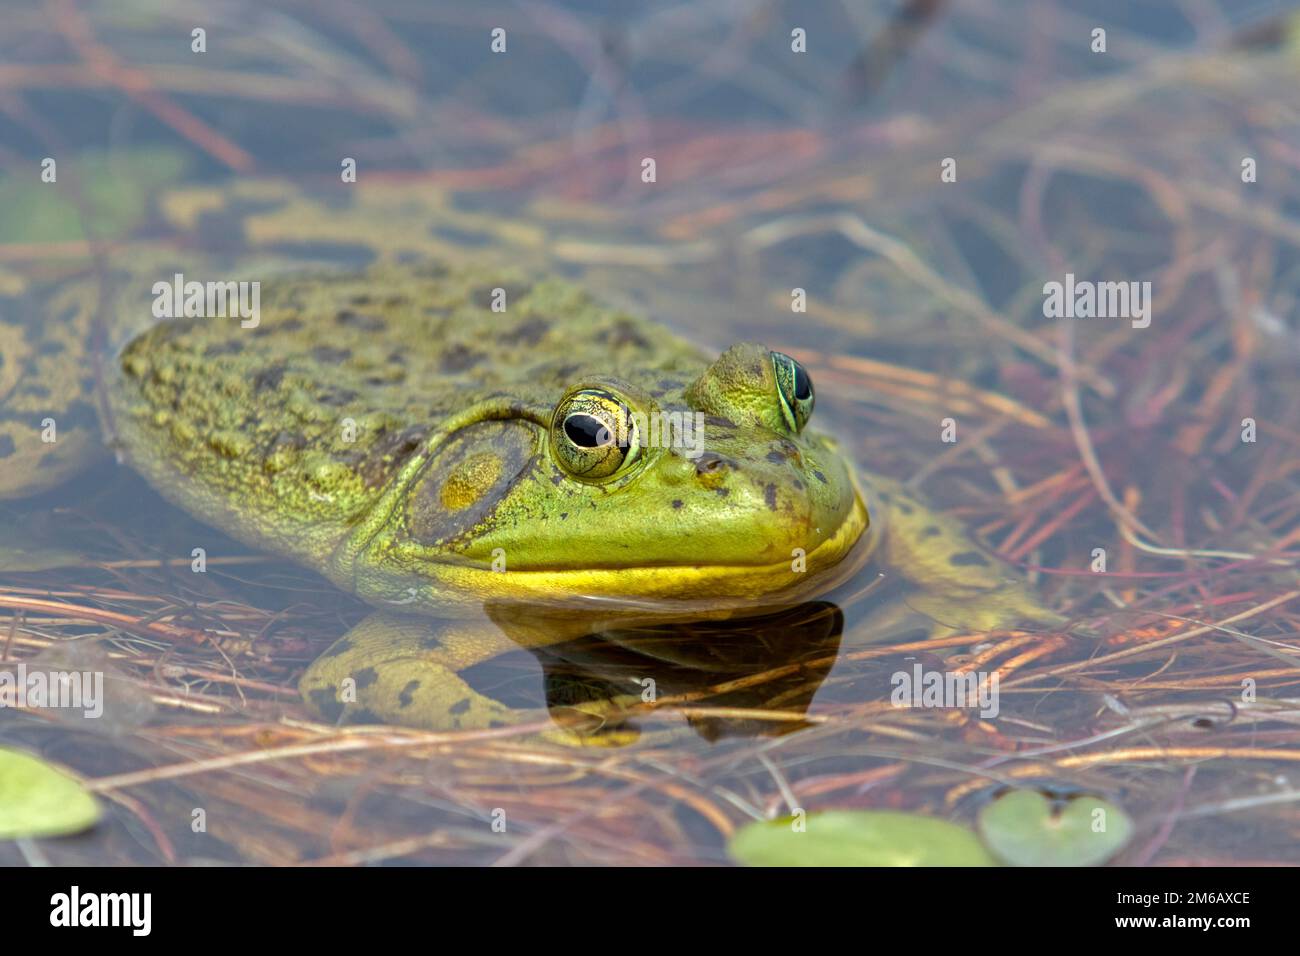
pixel 393 431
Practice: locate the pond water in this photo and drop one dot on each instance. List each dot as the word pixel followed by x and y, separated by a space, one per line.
pixel 1039 259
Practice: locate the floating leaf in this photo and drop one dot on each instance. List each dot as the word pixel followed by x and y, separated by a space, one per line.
pixel 858 838
pixel 115 189
pixel 38 800
pixel 1026 828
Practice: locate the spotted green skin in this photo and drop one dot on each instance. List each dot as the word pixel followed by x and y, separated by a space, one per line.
pixel 392 430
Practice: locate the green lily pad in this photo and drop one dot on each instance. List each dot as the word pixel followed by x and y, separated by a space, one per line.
pixel 37 800
pixel 858 838
pixel 115 189
pixel 1025 828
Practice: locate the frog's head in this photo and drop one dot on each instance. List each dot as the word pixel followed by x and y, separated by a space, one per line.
pixel 708 488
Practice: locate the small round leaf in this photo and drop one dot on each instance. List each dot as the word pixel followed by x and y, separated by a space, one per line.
pixel 1025 828
pixel 858 838
pixel 36 800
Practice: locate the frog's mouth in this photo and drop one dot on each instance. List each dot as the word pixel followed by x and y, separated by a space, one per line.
pixel 447 584
pixel 680 586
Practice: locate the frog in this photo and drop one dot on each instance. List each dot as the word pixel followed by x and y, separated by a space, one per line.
pixel 490 458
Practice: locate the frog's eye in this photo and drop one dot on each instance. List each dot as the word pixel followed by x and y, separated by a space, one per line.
pixel 594 435
pixel 795 388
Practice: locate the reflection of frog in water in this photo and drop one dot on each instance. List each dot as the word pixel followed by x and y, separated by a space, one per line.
pixel 432 456
pixel 773 662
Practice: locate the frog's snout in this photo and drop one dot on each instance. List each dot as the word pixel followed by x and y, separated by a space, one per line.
pixel 763 498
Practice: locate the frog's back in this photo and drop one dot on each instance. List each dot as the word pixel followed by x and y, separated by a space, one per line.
pixel 289 432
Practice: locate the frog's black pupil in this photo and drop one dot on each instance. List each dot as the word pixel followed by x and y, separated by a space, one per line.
pixel 586 431
pixel 802 384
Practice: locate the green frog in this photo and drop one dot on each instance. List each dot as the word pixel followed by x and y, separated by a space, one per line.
pixel 489 458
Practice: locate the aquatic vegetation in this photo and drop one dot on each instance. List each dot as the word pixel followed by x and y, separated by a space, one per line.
pixel 1139 469
pixel 38 800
